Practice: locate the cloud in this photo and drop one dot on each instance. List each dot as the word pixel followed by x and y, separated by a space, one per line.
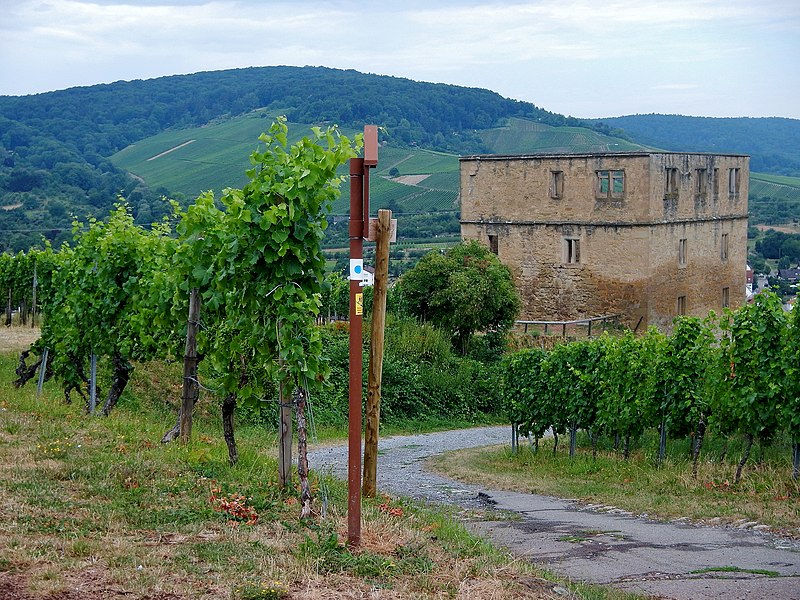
pixel 675 86
pixel 550 52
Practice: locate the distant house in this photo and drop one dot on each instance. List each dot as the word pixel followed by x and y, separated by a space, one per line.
pixel 645 235
pixel 368 276
pixel 791 275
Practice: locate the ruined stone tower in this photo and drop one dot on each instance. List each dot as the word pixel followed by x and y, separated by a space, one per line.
pixel 646 235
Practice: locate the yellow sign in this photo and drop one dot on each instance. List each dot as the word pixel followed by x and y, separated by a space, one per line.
pixel 359 304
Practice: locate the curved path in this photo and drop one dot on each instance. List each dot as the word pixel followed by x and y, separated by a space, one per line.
pixel 596 544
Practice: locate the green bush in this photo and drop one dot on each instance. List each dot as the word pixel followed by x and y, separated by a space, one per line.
pixel 422 377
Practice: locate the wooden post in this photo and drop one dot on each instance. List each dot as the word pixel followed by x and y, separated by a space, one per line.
pixel 8 309
pixel 42 371
pixel 302 454
pixel 33 299
pixel 191 389
pixel 93 384
pixel 513 438
pixel 285 444
pixel 376 354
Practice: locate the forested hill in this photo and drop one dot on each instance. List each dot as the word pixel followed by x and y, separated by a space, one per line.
pixel 103 119
pixel 773 143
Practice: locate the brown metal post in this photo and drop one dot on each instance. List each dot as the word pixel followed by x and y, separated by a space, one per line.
pixel 376 353
pixel 356 230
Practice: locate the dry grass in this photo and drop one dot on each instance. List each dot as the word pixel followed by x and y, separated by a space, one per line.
pixel 95 508
pixel 785 228
pixel 766 493
pixel 17 338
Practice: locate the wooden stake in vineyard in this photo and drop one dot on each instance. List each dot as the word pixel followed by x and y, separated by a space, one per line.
pixel 382 237
pixel 191 389
pixel 33 298
pixel 285 442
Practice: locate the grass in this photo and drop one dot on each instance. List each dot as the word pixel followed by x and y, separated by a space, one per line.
pixel 98 504
pixel 766 493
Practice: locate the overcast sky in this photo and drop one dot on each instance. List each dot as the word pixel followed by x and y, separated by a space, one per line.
pixel 586 58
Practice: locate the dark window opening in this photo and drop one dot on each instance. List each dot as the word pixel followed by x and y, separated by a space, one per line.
pixel 572 251
pixel 493 244
pixel 681 305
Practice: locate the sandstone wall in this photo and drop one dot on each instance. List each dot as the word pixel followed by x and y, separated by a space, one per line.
pixel 629 247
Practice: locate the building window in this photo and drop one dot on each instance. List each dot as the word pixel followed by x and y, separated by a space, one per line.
pixel 733 182
pixel 493 244
pixel 681 305
pixel 556 184
pixel 671 188
pixel 610 184
pixel 572 251
pixel 715 184
pixel 682 252
pixel 723 247
pixel 726 297
pixel 700 182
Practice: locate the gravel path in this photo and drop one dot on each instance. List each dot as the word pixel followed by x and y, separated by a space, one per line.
pixel 596 544
pixel 400 461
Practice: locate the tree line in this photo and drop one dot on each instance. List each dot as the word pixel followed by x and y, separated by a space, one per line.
pixel 773 143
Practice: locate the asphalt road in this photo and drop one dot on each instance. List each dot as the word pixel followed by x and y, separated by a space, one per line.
pixel 596 544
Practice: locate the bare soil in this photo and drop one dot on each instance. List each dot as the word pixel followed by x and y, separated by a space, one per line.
pixel 410 179
pixel 786 228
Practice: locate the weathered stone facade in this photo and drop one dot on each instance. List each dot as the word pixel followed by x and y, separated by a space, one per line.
pixel 646 235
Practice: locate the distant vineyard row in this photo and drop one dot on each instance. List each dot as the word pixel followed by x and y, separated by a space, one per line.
pixel 736 374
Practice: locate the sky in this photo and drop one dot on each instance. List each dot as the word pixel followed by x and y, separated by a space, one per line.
pixel 585 58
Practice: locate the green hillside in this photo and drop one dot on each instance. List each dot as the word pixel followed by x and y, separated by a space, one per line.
pixel 774 199
pixel 192 160
pixel 407 179
pixel 520 136
pixel 777 186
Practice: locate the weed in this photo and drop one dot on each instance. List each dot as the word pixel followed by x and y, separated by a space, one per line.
pixel 54 449
pixel 235 506
pixel 12 426
pixel 573 539
pixel 736 570
pixel 272 590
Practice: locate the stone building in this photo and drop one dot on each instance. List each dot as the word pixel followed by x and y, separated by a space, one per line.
pixel 646 235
